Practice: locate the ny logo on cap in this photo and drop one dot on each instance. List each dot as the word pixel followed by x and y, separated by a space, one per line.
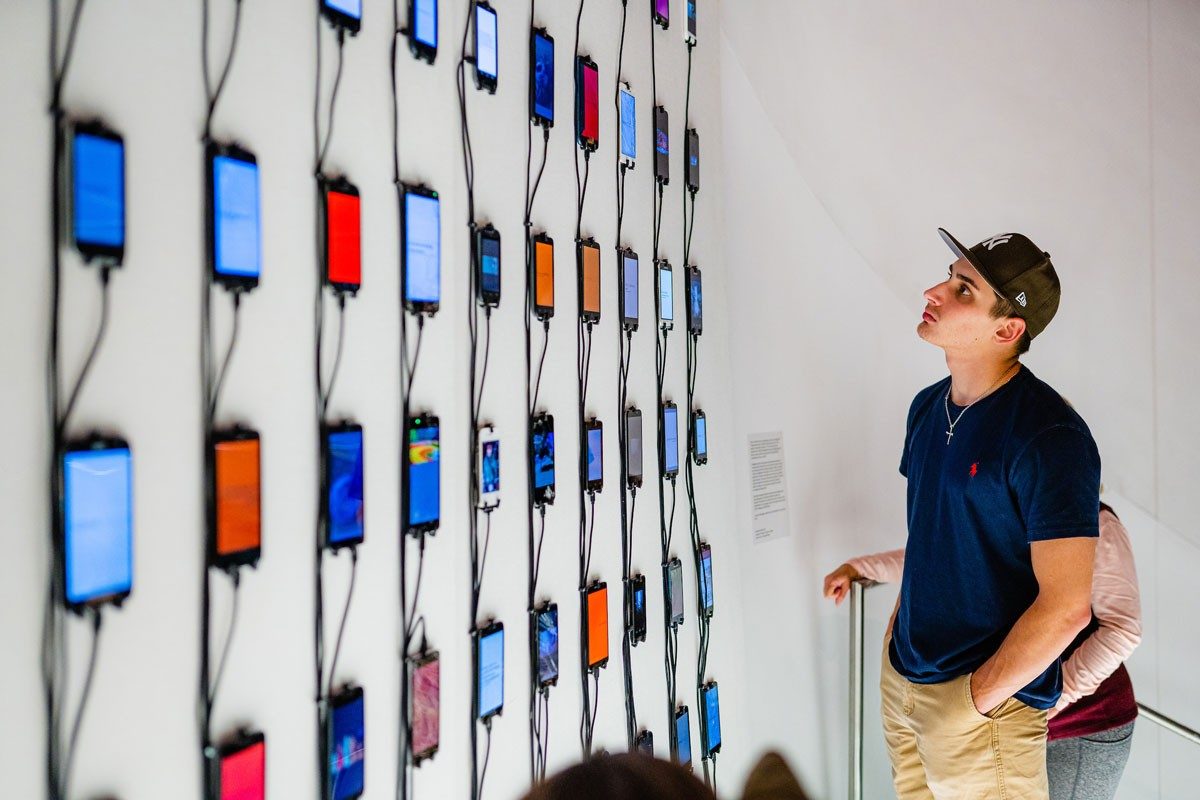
pixel 1021 299
pixel 1001 238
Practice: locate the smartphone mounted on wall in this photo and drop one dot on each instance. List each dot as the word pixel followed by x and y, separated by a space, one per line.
pixel 695 301
pixel 636 609
pixel 241 767
pixel 673 573
pixel 343 234
pixel 422 487
pixel 344 14
pixel 633 448
pixel 710 719
pixel 541 78
pixel 706 580
pixel 698 436
pixel 683 737
pixel 424 672
pixel 593 433
pixel 665 296
pixel 662 13
pixel 691 154
pixel 487 266
pixel 489 671
pixel 96 169
pixel 487 55
pixel 488 467
pixel 588 260
pixel 629 289
pixel 668 456
pixel 689 7
pixel 236 497
pixel 423 29
pixel 343 500
pixel 596 618
pixel 421 250
pixel 234 226
pixel 542 283
pixel 644 743
pixel 545 620
pixel 541 454
pixel 587 103
pixel 628 121
pixel 96 553
pixel 662 146
pixel 345 754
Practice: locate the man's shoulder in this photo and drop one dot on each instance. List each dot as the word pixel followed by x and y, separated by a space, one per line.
pixel 1040 408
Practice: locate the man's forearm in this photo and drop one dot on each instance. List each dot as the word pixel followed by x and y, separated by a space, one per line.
pixel 1039 637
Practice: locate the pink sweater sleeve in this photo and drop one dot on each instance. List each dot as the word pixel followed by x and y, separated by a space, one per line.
pixel 882 567
pixel 1117 605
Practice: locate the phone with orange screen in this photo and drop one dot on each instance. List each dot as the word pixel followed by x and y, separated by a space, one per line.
pixel 237 499
pixel 589 280
pixel 543 276
pixel 597 624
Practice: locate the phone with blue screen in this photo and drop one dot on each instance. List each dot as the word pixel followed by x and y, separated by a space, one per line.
pixel 594 435
pixel 706 579
pixel 541 453
pixel 97 517
pixel 487 266
pixel 665 296
pixel 344 508
pixel 669 457
pixel 97 192
pixel 489 661
pixel 487 59
pixel 422 484
pixel 421 254
pixel 695 301
pixel 487 446
pixel 423 29
pixel 346 750
pixel 710 718
pixel 346 14
pixel 699 437
pixel 683 737
pixel 541 77
pixel 628 106
pixel 234 225
pixel 546 620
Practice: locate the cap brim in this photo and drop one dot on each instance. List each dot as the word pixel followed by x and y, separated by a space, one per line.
pixel 957 248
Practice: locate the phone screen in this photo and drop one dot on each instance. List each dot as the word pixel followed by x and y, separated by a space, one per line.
pixel 662 148
pixel 693 159
pixel 628 124
pixel 589 129
pixel 629 283
pixel 662 8
pixel 544 274
pixel 98 512
pixel 238 496
pixel 422 248
pixel 351 8
pixel 671 439
pixel 696 300
pixel 712 718
pixel 645 743
pixel 347 749
pixel 639 610
pixel 701 436
pixel 543 458
pixel 345 486
pixel 425 22
pixel 591 279
pixel 675 579
pixel 424 474
pixel 706 579
pixel 490 262
pixel 345 237
pixel 489 462
pixel 691 17
pixel 666 295
pixel 683 737
pixel 547 638
pixel 244 773
pixel 99 190
pixel 597 615
pixel 236 229
pixel 543 76
pixel 595 454
pixel 486 59
pixel 634 433
pixel 426 702
pixel 491 673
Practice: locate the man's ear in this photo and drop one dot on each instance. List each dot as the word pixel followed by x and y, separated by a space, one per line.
pixel 1009 331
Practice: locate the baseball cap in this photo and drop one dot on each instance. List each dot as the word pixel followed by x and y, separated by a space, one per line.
pixel 1017 270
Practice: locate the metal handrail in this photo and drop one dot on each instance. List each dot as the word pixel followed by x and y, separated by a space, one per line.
pixel 857 632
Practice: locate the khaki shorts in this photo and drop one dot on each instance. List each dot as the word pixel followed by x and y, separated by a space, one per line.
pixel 942 748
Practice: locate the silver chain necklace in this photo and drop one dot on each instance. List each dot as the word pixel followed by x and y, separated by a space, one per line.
pixel 946 402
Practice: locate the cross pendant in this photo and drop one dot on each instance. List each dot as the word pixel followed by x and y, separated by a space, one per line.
pixel 949 436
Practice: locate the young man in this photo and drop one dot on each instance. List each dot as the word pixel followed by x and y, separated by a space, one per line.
pixel 1003 487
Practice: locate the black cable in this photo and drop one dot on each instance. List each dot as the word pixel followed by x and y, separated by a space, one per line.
pixel 101 330
pixel 337 82
pixel 235 581
pixel 233 338
pixel 541 363
pixel 486 756
pixel 327 391
pixel 84 696
pixel 337 646
pixel 214 95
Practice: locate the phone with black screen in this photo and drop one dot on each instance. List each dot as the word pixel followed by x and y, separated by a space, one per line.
pixel 541 77
pixel 662 13
pixel 541 454
pixel 236 497
pixel 628 113
pixel 644 743
pixel 421 253
pixel 487 265
pixel 343 234
pixel 422 490
pixel 695 301
pixel 710 719
pixel 588 259
pixel 344 502
pixel 487 56
pixel 596 618
pixel 636 609
pixel 346 750
pixel 587 103
pixel 97 193
pixel 593 431
pixel 346 14
pixel 662 146
pixel 629 289
pixel 633 448
pixel 97 515
pixel 673 570
pixel 669 454
pixel 683 737
pixel 691 154
pixel 242 767
pixel 489 665
pixel 706 580
pixel 546 620
pixel 698 436
pixel 425 698
pixel 665 296
pixel 542 283
pixel 423 29
pixel 234 226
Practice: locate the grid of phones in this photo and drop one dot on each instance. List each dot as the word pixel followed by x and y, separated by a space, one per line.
pixel 628 106
pixel 237 496
pixel 426 704
pixel 662 147
pixel 98 193
pixel 422 253
pixel 633 447
pixel 344 13
pixel 587 103
pixel 665 295
pixel 242 768
pixel 543 276
pixel 487 267
pixel 422 489
pixel 589 280
pixel 691 152
pixel 233 198
pixel 674 578
pixel 343 234
pixel 487 59
pixel 344 485
pixel 541 77
pixel 695 305
pixel 547 645
pixel 629 290
pixel 423 28
pixel 98 521
pixel 541 451
pixel 347 749
pixel 596 610
pixel 699 437
pixel 670 440
pixel 706 580
pixel 594 433
pixel 489 658
pixel 710 718
pixel 637 609
pixel 488 448
pixel 683 737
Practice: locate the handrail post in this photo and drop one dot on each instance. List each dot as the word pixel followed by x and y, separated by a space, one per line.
pixel 857 616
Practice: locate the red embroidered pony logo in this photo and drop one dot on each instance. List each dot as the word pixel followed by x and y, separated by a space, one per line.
pixel 974 469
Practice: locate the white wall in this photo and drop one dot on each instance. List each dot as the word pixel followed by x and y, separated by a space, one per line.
pixel 138 66
pixel 852 131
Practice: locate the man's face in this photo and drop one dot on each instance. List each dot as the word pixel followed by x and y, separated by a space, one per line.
pixel 958 311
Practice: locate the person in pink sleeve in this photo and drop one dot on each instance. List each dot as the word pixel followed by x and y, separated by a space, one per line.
pixel 1091 726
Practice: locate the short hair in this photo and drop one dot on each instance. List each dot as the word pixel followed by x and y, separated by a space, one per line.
pixel 627 776
pixel 1002 309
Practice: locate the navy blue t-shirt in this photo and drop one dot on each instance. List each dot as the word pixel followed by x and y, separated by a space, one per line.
pixel 1022 467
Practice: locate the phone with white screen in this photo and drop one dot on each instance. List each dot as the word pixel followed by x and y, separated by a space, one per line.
pixel 421 253
pixel 423 29
pixel 629 289
pixel 665 296
pixel 628 110
pixel 489 662
pixel 487 57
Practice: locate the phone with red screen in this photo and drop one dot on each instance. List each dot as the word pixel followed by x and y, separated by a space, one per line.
pixel 343 234
pixel 587 103
pixel 242 767
pixel 596 610
pixel 236 498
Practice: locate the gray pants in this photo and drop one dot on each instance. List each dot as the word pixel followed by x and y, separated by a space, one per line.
pixel 1088 767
